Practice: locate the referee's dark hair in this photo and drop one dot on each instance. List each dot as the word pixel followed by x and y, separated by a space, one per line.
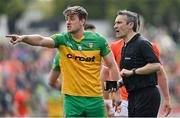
pixel 131 17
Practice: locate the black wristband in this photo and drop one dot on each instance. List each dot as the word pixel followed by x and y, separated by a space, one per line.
pixel 134 71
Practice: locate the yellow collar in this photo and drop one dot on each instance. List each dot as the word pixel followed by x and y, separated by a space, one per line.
pixel 79 39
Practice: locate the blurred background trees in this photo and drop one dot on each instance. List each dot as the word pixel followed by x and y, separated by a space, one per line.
pixel 155 12
pixel 14 9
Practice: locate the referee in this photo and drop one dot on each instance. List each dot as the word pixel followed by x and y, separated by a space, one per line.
pixel 138 66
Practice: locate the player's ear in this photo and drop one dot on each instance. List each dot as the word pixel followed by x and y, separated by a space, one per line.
pixel 83 22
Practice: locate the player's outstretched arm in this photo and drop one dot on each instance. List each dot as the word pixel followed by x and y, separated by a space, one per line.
pixel 35 40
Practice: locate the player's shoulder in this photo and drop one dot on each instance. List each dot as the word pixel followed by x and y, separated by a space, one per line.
pixel 155 46
pixel 59 35
pixel 119 42
pixel 93 35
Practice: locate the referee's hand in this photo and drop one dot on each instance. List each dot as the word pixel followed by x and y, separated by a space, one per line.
pixel 126 73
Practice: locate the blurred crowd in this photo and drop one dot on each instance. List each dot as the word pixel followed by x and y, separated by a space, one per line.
pixel 23 80
pixel 170 58
pixel 24 69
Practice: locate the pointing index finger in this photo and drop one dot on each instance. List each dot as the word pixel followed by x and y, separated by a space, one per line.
pixel 10 36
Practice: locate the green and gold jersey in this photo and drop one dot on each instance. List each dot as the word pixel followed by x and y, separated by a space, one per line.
pixel 80 63
pixel 56 62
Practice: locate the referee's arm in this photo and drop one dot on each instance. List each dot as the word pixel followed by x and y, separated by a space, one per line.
pixel 147 69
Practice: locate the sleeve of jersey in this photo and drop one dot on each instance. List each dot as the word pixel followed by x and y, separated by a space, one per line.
pixel 104 49
pixel 148 52
pixel 156 50
pixel 58 39
pixel 56 66
pixel 112 48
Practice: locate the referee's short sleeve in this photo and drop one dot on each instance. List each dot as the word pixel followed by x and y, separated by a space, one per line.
pixel 148 52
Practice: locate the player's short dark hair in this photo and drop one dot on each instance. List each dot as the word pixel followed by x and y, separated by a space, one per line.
pixel 78 10
pixel 131 17
pixel 89 26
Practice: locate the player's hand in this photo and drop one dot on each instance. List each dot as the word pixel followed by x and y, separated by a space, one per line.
pixel 167 108
pixel 116 102
pixel 112 90
pixel 15 38
pixel 126 73
pixel 120 83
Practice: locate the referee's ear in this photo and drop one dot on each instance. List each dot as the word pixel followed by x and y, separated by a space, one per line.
pixel 131 25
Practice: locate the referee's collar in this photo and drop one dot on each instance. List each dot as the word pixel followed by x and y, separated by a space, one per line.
pixel 133 38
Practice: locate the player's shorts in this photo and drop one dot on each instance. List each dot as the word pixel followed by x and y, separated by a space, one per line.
pixel 122 109
pixel 77 106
